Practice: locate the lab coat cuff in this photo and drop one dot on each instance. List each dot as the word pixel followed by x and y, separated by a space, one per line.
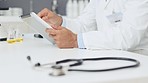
pixel 80 41
pixel 63 22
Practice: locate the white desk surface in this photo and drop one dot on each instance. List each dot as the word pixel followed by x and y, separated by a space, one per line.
pixel 14 67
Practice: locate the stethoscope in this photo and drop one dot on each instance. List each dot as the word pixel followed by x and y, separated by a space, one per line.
pixel 58 70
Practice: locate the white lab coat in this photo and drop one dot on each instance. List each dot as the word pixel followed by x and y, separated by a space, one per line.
pixel 99 33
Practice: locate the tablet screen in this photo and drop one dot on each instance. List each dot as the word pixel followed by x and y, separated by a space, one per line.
pixel 39 25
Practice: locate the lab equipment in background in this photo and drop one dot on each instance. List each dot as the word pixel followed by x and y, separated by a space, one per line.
pixel 86 2
pixel 3 11
pixel 81 5
pixel 18 35
pixel 54 6
pixel 69 9
pixel 11 35
pixel 11 11
pixel 14 34
pixel 2 0
pixel 75 7
pixel 3 34
pixel 15 11
pixel 8 22
pixel 31 5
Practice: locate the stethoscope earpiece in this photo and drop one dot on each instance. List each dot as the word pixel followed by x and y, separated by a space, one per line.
pixel 37 65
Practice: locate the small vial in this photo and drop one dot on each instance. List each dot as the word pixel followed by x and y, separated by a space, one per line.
pixel 19 39
pixel 11 36
pixel 18 36
pixel 11 41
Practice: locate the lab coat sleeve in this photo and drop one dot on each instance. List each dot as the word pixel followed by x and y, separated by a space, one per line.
pixel 127 35
pixel 80 41
pixel 82 22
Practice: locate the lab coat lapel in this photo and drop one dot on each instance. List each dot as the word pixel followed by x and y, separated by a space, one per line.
pixel 107 2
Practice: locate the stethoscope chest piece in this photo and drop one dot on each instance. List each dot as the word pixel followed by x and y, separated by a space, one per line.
pixel 57 70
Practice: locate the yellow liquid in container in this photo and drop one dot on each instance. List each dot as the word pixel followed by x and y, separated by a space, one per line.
pixel 11 41
pixel 19 39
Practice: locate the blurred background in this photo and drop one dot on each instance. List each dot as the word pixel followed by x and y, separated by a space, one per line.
pixel 10 10
pixel 62 7
pixel 33 5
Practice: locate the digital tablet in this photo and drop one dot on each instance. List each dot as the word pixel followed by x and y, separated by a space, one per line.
pixel 39 25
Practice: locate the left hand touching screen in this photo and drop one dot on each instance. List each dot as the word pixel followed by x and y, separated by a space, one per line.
pixel 63 37
pixel 50 17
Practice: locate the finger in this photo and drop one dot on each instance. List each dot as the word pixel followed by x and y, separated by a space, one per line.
pixel 45 18
pixel 54 26
pixel 43 12
pixel 57 27
pixel 51 32
pixel 54 37
pixel 47 30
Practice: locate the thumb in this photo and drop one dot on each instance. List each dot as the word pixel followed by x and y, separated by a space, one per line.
pixel 53 26
pixel 59 27
pixel 56 27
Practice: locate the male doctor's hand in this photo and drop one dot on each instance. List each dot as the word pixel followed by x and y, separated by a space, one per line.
pixel 50 17
pixel 63 37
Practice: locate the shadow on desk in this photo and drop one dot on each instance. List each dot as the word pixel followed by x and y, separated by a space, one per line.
pixel 143 52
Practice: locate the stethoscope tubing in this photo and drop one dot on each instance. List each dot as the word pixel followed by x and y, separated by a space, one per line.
pixel 80 62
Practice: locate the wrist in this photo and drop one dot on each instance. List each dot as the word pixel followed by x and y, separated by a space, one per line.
pixel 60 20
pixel 75 41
